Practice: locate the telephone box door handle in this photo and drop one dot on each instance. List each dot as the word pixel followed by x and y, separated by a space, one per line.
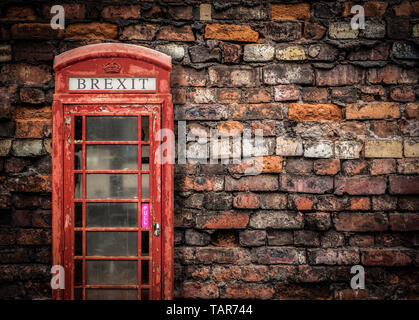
pixel 156 229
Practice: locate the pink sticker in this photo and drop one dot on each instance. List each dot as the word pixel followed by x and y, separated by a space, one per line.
pixel 145 215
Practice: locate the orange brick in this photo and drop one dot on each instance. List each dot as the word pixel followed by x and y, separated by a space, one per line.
pixel 231 32
pixel 299 11
pixel 94 30
pixel 230 128
pixel 314 112
pixel 373 110
pixel 360 203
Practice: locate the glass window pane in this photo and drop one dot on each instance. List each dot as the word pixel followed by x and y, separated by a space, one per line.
pixel 112 157
pixel 78 186
pixel 144 272
pixel 111 243
pixel 111 272
pixel 78 272
pixel 145 294
pixel 78 157
pixel 78 129
pixel 112 186
pixel 145 244
pixel 111 294
pixel 78 243
pixel 145 186
pixel 111 215
pixel 145 157
pixel 78 214
pixel 111 128
pixel 145 135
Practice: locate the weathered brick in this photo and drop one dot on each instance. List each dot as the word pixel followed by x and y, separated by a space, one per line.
pixel 223 220
pixel 383 149
pixel 397 28
pixel 402 94
pixel 204 54
pixel 412 110
pixel 25 74
pixel 276 220
pixel 199 290
pixel 288 73
pixel 360 185
pixel 231 52
pixel 379 52
pixel 384 203
pixel 258 52
pixel 246 201
pixel 404 221
pixel 385 257
pixel 382 166
pixel 299 11
pixel 35 31
pixel 306 238
pixel 361 222
pixel 248 291
pixel 219 255
pixel 411 148
pixel 286 92
pixel 313 94
pixel 252 238
pixel 177 52
pixel 225 76
pixel 139 32
pixel 327 166
pixel 384 128
pixel 289 147
pixel 408 166
pixel 226 273
pixel 31 128
pixel 392 74
pixel 290 52
pixel 5 146
pixel 273 201
pixel 342 30
pixel 339 75
pixel 252 183
pixel 72 11
pixel 299 165
pixel 373 110
pixel 240 13
pixel 371 8
pixel 199 183
pixel 187 77
pixel 315 112
pixel 306 184
pixel 121 12
pixel 231 32
pixel 172 33
pixel 313 31
pixel 256 111
pixel 333 256
pixel 348 149
pixel 282 255
pixel 93 30
pixel 283 31
pixel 181 12
pixel 404 184
pixel 318 149
pixel 254 273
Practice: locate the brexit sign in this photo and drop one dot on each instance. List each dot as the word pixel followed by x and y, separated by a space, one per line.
pixel 112 84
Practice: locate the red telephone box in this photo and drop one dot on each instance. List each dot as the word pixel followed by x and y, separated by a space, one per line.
pixel 112 201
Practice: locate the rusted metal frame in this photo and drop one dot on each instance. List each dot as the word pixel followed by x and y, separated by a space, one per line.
pixel 139 208
pixel 168 208
pixel 57 194
pixel 155 267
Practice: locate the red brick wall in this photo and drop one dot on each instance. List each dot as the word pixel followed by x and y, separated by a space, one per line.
pixel 339 110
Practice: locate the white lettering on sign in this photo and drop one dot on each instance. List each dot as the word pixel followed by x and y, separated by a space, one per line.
pixel 112 84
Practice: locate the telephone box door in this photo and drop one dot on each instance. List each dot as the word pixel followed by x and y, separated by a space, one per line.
pixel 112 245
